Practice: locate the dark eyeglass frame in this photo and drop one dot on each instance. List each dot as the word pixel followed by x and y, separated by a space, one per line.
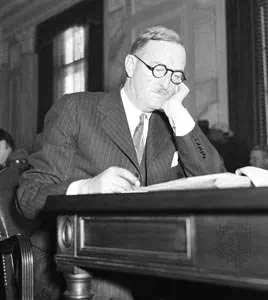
pixel 152 69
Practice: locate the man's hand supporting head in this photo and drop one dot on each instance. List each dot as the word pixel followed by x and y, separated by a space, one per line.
pixel 180 119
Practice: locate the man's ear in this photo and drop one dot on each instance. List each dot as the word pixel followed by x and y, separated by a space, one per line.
pixel 130 64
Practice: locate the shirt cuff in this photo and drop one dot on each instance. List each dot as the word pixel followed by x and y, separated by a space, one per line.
pixel 183 122
pixel 75 188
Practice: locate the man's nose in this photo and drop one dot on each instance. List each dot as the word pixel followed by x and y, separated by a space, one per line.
pixel 166 80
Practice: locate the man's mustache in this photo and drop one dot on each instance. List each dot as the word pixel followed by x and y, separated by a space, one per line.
pixel 162 92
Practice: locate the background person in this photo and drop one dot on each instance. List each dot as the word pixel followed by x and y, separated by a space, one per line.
pixel 259 156
pixel 7 146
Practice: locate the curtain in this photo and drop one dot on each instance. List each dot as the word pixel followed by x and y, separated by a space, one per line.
pixel 261 42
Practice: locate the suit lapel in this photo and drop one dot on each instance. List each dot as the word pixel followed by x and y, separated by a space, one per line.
pixel 114 123
pixel 159 134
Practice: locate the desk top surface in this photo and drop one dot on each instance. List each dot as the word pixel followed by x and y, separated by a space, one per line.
pixel 235 200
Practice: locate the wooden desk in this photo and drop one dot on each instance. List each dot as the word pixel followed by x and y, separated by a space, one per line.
pixel 216 236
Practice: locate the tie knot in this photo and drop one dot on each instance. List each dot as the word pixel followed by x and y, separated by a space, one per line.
pixel 142 118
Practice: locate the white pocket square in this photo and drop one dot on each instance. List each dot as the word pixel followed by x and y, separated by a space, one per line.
pixel 174 162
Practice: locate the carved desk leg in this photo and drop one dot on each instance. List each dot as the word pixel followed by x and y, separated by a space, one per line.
pixel 78 280
pixel 78 285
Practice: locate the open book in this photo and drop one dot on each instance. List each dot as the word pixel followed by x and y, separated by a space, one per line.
pixel 248 176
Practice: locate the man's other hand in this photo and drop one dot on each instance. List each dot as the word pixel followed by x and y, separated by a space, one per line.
pixel 112 180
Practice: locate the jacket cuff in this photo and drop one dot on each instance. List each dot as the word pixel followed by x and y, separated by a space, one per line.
pixel 183 122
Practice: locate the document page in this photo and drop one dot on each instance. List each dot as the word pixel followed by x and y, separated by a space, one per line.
pixel 258 176
pixel 210 181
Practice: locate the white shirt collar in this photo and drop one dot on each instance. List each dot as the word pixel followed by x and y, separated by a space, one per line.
pixel 133 114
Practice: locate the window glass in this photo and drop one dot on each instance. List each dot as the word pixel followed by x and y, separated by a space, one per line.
pixel 70 61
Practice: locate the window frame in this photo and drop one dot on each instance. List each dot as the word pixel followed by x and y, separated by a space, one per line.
pixel 87 13
pixel 59 68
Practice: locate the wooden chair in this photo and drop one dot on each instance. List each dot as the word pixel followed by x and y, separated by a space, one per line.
pixel 16 257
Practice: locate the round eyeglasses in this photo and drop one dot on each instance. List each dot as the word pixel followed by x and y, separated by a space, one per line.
pixel 160 70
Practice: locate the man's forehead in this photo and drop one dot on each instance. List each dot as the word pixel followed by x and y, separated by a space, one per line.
pixel 4 143
pixel 164 51
pixel 159 46
pixel 258 153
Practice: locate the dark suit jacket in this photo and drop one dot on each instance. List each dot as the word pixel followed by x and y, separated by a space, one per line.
pixel 86 133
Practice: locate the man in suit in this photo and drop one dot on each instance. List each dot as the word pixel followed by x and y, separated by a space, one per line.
pixel 259 156
pixel 91 143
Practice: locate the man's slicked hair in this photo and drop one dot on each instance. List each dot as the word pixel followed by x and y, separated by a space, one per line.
pixel 155 33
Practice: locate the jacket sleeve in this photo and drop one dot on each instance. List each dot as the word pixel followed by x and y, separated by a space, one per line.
pixel 51 166
pixel 198 155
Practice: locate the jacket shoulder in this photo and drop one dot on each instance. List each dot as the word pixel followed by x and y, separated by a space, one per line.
pixel 75 101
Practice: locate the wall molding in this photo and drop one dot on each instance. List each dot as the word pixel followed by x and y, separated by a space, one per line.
pixel 3 49
pixel 26 38
pixel 18 15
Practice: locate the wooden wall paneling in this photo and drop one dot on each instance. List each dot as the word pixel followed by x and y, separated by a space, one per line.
pixel 241 70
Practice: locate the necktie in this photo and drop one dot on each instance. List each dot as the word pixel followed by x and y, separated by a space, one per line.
pixel 138 139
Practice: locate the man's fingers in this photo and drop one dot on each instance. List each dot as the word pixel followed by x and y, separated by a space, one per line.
pixel 121 184
pixel 182 91
pixel 129 177
pixel 112 180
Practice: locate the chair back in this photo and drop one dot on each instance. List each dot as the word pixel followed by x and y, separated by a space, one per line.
pixel 16 264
